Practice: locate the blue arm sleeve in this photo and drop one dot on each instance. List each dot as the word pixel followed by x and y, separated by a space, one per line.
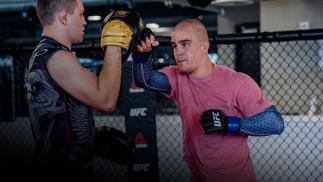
pixel 145 76
pixel 266 123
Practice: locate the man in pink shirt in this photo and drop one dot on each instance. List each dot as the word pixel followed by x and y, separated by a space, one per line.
pixel 219 107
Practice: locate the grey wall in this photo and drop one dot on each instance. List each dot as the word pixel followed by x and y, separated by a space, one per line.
pixel 281 15
pixel 273 15
pixel 229 17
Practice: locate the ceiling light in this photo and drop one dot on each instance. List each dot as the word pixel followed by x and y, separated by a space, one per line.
pixel 232 2
pixel 152 25
pixel 163 30
pixel 94 18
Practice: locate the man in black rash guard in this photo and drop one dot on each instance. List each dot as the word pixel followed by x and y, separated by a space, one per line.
pixel 60 92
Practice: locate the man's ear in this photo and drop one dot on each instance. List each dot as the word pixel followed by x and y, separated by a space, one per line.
pixel 205 46
pixel 62 17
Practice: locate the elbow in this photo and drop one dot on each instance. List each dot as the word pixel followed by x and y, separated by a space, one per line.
pixel 277 121
pixel 280 127
pixel 108 106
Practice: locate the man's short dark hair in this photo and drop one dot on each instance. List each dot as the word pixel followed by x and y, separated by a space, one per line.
pixel 47 9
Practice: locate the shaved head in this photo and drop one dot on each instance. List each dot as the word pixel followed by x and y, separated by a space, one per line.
pixel 196 27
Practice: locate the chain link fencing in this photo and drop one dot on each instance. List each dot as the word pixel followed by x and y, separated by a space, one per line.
pixel 288 66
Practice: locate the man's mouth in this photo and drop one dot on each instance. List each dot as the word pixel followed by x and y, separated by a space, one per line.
pixel 180 61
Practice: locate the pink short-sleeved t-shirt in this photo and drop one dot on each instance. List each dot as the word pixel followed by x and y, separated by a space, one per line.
pixel 216 156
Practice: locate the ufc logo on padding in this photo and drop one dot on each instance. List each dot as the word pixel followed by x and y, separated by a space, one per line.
pixel 138 111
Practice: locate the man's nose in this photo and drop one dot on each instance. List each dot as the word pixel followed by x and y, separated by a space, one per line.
pixel 178 52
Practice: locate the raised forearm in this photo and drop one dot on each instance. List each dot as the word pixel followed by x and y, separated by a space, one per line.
pixel 148 78
pixel 109 79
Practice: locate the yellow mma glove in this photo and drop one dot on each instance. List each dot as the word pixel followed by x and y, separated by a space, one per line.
pixel 116 33
pixel 119 28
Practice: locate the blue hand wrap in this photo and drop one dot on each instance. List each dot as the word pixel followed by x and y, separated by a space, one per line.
pixel 233 124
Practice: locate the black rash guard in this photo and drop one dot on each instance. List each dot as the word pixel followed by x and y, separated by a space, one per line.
pixel 61 124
